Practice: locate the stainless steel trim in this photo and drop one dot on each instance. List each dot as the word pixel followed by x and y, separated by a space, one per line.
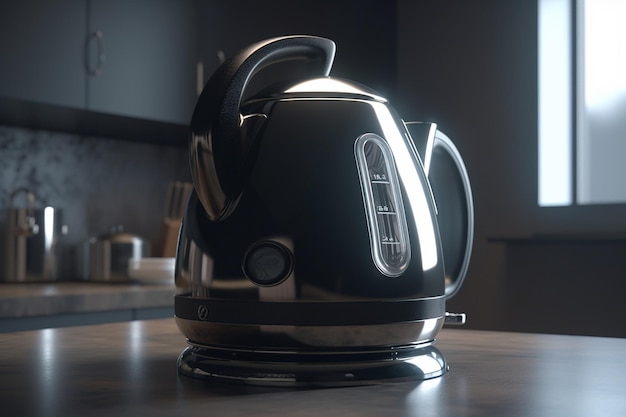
pixel 334 368
pixel 301 338
pixel 457 319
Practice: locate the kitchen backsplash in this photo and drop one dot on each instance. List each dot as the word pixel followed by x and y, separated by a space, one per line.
pixel 97 183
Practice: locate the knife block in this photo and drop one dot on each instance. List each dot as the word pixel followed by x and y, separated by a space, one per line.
pixel 169 237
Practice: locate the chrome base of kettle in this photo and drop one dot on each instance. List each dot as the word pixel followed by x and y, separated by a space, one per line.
pixel 313 368
pixel 310 338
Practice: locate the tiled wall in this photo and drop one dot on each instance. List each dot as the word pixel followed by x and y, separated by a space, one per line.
pixel 97 182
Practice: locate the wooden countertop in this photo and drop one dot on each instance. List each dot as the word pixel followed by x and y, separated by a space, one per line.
pixel 33 299
pixel 29 306
pixel 129 369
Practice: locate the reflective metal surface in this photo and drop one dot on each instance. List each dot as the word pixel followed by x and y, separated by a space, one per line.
pixel 309 338
pixel 292 369
pixel 452 193
pixel 106 258
pixel 451 186
pixel 312 230
pixel 217 151
pixel 306 195
pixel 31 241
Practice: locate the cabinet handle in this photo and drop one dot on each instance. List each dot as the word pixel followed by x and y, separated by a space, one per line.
pixel 99 37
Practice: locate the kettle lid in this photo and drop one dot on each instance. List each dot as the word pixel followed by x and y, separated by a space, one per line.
pixel 334 86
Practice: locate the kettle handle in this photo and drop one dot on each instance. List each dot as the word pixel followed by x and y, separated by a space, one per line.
pixel 452 192
pixel 444 143
pixel 217 152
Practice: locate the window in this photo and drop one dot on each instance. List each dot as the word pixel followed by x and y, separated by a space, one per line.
pixel 582 102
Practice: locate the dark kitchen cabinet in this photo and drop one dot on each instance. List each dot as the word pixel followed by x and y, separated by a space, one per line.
pixel 41 51
pixel 148 63
pixel 146 59
pixel 152 55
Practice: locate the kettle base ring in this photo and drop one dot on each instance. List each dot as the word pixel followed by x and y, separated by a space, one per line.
pixel 313 368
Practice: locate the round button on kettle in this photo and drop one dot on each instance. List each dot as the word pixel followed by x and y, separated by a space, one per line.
pixel 267 263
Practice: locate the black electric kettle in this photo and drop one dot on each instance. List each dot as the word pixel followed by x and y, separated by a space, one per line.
pixel 313 250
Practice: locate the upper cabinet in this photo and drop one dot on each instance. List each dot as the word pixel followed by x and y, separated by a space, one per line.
pixel 126 58
pixel 41 51
pixel 142 58
pixel 145 60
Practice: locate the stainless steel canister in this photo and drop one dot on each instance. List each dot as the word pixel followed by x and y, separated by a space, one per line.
pixel 106 257
pixel 31 241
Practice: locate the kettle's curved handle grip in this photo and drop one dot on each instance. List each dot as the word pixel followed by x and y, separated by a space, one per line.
pixel 442 142
pixel 215 150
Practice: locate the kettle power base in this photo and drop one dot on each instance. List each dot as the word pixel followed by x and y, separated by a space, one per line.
pixel 310 369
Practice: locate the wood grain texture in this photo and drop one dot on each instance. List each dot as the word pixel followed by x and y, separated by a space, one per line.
pixel 129 369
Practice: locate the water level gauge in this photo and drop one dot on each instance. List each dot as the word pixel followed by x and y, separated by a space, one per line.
pixel 389 238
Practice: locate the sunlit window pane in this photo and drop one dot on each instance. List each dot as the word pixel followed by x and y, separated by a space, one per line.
pixel 601 141
pixel 599 102
pixel 555 103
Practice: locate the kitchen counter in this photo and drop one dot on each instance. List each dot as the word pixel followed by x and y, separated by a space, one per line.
pixel 129 369
pixel 37 305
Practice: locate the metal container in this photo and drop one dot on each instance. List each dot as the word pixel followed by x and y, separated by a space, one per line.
pixel 106 257
pixel 311 251
pixel 31 241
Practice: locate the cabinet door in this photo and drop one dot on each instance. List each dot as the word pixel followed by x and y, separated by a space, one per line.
pixel 149 67
pixel 41 51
